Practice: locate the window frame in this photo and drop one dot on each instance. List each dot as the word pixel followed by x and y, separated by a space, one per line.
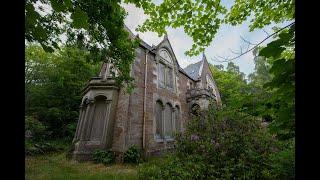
pixel 164 109
pixel 167 65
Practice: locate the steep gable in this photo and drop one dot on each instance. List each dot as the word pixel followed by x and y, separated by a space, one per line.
pixel 205 73
pixel 165 44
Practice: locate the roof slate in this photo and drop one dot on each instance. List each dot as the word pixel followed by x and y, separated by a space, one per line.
pixel 193 70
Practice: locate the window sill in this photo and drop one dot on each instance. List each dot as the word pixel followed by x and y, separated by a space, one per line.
pixel 169 139
pixel 166 139
pixel 159 140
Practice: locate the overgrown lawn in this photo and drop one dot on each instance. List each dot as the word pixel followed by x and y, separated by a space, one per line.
pixel 56 166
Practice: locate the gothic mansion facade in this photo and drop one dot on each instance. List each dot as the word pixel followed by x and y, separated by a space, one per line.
pixel 160 104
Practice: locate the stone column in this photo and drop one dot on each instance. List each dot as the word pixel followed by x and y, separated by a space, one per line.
pixel 76 137
pixel 83 111
pixel 89 120
pixel 83 132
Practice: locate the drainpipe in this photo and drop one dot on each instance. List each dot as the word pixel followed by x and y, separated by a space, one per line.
pixel 144 102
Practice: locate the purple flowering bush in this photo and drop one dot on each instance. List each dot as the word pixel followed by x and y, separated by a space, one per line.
pixel 231 145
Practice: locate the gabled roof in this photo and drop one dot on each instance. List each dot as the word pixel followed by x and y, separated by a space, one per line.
pixel 153 49
pixel 195 70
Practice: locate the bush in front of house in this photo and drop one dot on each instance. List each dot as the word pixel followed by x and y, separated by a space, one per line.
pixel 231 145
pixel 104 157
pixel 132 155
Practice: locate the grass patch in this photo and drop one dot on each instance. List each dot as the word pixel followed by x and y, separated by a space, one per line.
pixel 56 166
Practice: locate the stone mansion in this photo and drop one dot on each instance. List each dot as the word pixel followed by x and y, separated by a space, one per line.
pixel 161 103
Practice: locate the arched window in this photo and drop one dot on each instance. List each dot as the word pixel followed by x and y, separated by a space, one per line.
pixel 195 110
pixel 165 70
pixel 164 54
pixel 168 121
pixel 158 116
pixel 177 119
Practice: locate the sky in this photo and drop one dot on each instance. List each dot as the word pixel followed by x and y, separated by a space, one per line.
pixel 227 37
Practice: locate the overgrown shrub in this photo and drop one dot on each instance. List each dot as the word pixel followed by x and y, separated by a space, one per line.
pixel 33 125
pixel 132 155
pixel 283 161
pixel 231 145
pixel 104 157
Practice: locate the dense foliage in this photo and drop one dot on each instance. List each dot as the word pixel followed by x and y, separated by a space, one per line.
pixel 53 84
pixel 97 26
pixel 280 53
pixel 233 146
pixel 104 157
pixel 270 92
pixel 132 155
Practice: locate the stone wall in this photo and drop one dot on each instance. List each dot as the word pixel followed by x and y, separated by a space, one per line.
pixel 129 120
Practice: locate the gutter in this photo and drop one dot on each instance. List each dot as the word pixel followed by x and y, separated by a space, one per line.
pixel 144 101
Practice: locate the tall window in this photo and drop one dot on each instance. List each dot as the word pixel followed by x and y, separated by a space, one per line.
pixel 167 120
pixel 168 123
pixel 177 119
pixel 165 70
pixel 158 114
pixel 169 78
pixel 161 75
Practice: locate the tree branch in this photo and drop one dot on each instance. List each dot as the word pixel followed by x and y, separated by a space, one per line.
pixel 243 53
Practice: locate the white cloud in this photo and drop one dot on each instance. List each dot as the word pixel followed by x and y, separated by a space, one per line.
pixel 136 17
pixel 228 37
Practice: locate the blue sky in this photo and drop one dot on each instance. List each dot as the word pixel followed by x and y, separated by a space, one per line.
pixel 227 37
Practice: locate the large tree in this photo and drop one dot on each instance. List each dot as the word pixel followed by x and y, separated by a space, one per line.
pixel 98 25
pixel 53 85
pixel 201 19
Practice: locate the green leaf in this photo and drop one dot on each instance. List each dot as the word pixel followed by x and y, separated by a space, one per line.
pixel 80 19
pixel 273 49
pixel 57 5
pixel 47 48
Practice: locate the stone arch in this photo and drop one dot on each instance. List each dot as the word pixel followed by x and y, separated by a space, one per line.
pixel 163 51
